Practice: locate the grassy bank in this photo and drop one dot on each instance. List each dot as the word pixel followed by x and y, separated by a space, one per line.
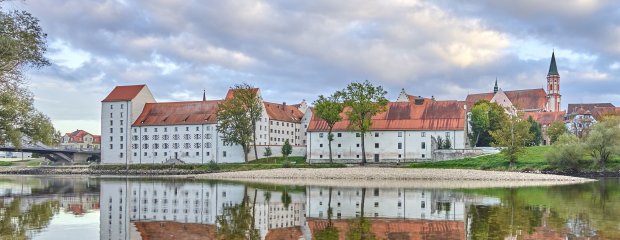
pixel 532 159
pixel 260 164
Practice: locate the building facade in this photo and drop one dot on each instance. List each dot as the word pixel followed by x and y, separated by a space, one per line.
pixel 80 139
pixel 136 129
pixel 406 132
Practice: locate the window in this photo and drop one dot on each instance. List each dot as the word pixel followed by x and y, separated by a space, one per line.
pixel 121 138
pixel 376 192
pixel 121 146
pixel 135 130
pixel 399 155
pixel 121 155
pixel 321 145
pixel 208 136
pixel 357 134
pixel 320 156
pixel 208 153
pixel 447 134
pixel 145 146
pixel 208 145
pixel 111 138
pixel 321 135
pixel 176 129
pixel 423 145
pixel 155 146
pixel 400 134
pixel 187 145
pixel 197 128
pixel 134 146
pixel 111 130
pixel 145 137
pixel 111 115
pixel 358 156
pixel 165 129
pixel 135 154
pixel 175 145
pixel 121 114
pixel 376 204
pixel 357 145
pixel 111 146
pixel 339 134
pixel 376 145
pixel 196 136
pixel 197 153
pixel 423 156
pixel 111 106
pixel 121 122
pixel 224 153
pixel 111 122
pixel 186 128
pixel 145 154
pixel 155 154
pixel 197 145
pixel 175 136
pixel 121 130
pixel 339 156
pixel 146 129
pixel 423 134
pixel 376 134
pixel 122 106
pixel 165 137
pixel 339 145
pixel 400 145
pixel 165 146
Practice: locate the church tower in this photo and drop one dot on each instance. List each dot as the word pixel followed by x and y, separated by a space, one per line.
pixel 553 86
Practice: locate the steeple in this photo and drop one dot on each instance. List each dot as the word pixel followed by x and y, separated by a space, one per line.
pixel 496 88
pixel 553 69
pixel 204 95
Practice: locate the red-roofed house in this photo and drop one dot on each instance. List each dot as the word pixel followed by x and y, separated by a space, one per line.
pixel 404 132
pixel 80 139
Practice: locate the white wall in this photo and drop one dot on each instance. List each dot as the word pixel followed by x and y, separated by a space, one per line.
pixel 347 146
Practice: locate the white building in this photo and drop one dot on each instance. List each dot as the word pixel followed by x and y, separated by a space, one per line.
pixel 136 129
pixel 80 139
pixel 405 132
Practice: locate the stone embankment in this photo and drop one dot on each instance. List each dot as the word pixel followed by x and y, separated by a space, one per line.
pixel 84 170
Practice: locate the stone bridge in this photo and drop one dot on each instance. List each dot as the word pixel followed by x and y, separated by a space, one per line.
pixel 58 155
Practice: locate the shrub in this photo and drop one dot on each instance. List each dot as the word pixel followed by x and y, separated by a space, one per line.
pixel 566 153
pixel 287 164
pixel 213 166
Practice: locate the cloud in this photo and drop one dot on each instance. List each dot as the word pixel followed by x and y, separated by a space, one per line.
pixel 298 50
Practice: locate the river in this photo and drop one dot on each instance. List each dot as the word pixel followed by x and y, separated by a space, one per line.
pixel 66 208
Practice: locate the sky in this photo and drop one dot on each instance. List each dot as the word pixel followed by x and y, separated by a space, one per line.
pixel 297 50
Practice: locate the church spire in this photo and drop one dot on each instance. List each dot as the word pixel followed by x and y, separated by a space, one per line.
pixel 553 69
pixel 496 88
pixel 204 95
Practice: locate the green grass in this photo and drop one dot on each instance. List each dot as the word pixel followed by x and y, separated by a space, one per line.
pixel 5 163
pixel 533 158
pixel 260 164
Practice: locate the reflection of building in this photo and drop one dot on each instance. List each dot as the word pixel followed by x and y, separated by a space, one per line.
pixel 124 202
pixel 275 218
pixel 80 203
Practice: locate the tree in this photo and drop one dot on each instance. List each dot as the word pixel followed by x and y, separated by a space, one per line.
pixel 555 130
pixel 237 117
pixel 236 222
pixel 536 132
pixel 512 137
pixel 439 142
pixel 566 152
pixel 286 149
pixel 604 140
pixel 22 45
pixel 364 101
pixel 328 109
pixel 485 118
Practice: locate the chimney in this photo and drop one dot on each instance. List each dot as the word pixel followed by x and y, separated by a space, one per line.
pixel 419 100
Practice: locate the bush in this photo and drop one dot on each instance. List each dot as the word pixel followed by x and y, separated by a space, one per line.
pixel 287 164
pixel 566 153
pixel 213 166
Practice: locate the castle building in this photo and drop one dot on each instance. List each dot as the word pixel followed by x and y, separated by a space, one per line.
pixel 136 129
pixel 405 132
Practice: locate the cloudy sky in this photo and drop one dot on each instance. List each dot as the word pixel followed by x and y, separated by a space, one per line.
pixel 296 50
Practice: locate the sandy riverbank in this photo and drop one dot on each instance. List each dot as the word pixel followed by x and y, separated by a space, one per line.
pixel 396 177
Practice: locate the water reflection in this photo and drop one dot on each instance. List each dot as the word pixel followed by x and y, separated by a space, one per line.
pixel 157 209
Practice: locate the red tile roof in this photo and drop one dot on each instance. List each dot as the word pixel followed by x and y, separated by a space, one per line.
pixel 282 112
pixel 545 118
pixel 166 230
pixel 573 108
pixel 398 228
pixel 522 99
pixel 77 136
pixel 124 93
pixel 96 139
pixel 293 233
pixel 231 92
pixel 599 112
pixel 431 115
pixel 178 113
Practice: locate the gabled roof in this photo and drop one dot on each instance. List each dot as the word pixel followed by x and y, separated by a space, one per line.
pixel 124 93
pixel 178 113
pixel 574 108
pixel 77 136
pixel 231 92
pixel 545 118
pixel 283 112
pixel 527 99
pixel 600 112
pixel 430 115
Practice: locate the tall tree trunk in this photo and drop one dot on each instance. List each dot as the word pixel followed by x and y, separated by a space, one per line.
pixel 363 200
pixel 254 139
pixel 245 152
pixel 329 209
pixel 363 149
pixel 329 139
pixel 254 207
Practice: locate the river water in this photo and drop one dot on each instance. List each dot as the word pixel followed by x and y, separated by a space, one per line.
pixel 38 207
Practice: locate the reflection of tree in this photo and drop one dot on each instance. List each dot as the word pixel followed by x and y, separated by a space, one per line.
pixel 329 232
pixel 286 198
pixel 360 227
pixel 14 224
pixel 236 222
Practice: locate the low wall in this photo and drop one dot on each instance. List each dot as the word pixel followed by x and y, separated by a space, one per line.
pixel 276 151
pixel 452 154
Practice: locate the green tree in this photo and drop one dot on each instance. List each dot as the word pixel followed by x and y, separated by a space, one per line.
pixel 440 143
pixel 486 117
pixel 603 142
pixel 22 46
pixel 364 101
pixel 566 152
pixel 328 109
pixel 267 152
pixel 555 130
pixel 236 222
pixel 286 149
pixel 512 137
pixel 237 117
pixel 536 132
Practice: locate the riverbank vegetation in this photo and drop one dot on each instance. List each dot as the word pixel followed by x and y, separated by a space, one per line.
pixel 260 164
